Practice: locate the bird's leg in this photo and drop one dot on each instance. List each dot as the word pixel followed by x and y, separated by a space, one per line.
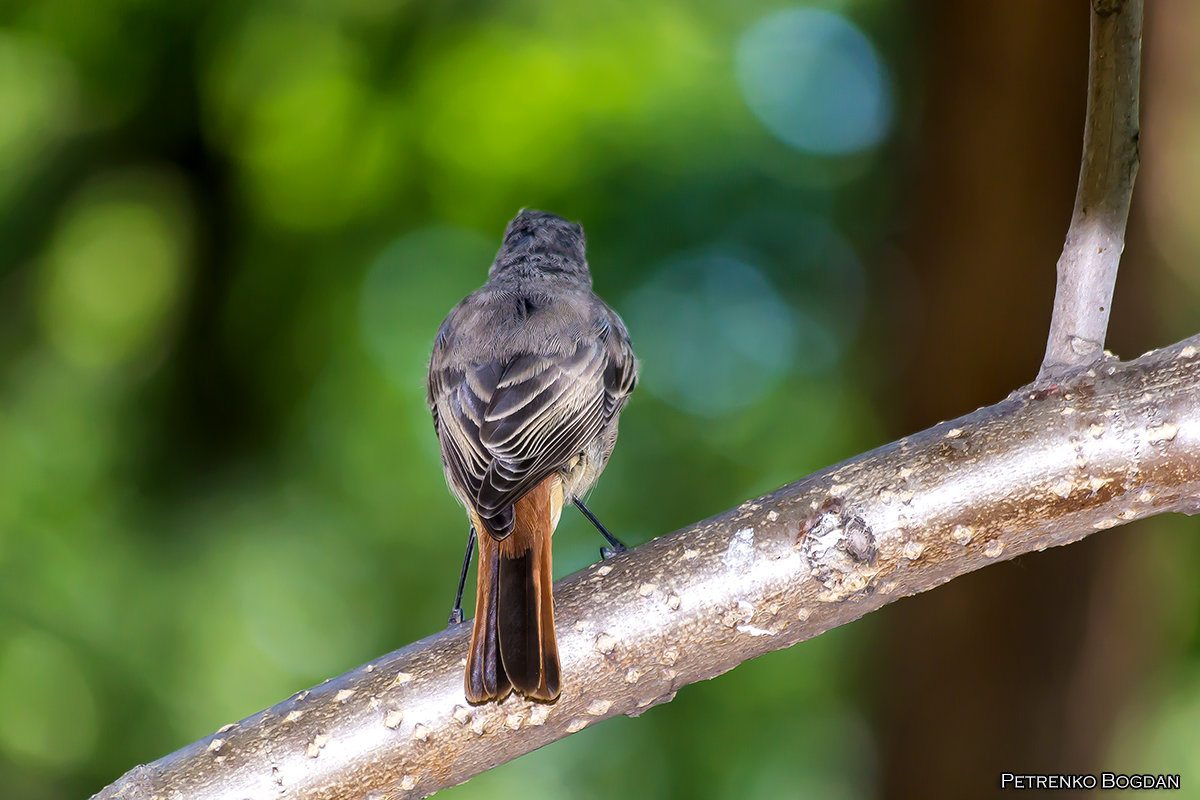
pixel 456 615
pixel 617 545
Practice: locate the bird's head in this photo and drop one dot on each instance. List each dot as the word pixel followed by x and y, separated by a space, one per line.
pixel 545 242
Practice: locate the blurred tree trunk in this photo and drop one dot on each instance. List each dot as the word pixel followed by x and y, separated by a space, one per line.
pixel 1027 679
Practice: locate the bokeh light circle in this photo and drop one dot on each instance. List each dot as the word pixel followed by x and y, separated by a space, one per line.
pixel 116 268
pixel 820 275
pixel 49 707
pixel 815 81
pixel 712 333
pixel 398 312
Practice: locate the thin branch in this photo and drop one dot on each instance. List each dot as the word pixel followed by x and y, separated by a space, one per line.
pixel 1050 464
pixel 1087 269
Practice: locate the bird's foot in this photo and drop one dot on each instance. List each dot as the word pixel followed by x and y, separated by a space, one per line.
pixel 608 552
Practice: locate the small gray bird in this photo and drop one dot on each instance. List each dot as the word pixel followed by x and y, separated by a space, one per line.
pixel 528 376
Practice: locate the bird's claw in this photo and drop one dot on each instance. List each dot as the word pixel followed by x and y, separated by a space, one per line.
pixel 608 552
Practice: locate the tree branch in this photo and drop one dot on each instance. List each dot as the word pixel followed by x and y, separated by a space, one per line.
pixel 1048 465
pixel 1087 269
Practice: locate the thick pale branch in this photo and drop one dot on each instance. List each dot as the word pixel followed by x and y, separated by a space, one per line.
pixel 1087 269
pixel 1050 464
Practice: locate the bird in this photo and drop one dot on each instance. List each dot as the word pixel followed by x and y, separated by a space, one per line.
pixel 527 379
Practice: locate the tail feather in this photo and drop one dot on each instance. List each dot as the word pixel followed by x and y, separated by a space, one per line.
pixel 513 643
pixel 486 678
pixel 527 643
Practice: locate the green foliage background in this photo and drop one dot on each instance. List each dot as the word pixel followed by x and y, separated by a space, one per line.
pixel 228 232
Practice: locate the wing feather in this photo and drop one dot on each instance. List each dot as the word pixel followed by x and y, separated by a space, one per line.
pixel 506 425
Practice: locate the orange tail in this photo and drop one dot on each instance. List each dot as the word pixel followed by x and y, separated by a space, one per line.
pixel 512 643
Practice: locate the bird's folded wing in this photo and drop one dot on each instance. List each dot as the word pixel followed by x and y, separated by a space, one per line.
pixel 505 426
